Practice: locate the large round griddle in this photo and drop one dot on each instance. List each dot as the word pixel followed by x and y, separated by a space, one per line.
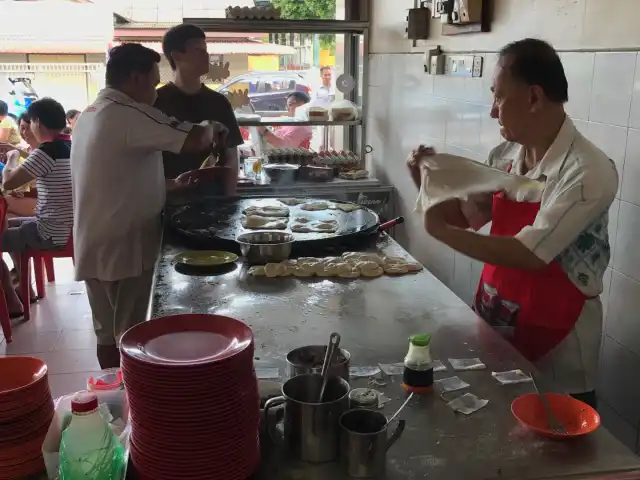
pixel 211 221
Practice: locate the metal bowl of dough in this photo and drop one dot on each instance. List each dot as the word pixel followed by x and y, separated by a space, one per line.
pixel 265 247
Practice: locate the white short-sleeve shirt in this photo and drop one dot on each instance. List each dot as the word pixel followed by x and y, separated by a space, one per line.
pixel 119 186
pixel 571 228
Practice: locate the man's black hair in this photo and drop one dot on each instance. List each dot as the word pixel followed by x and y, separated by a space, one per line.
pixel 4 108
pixel 176 38
pixel 127 59
pixel 535 62
pixel 24 118
pixel 49 113
pixel 71 114
pixel 300 96
pixel 326 67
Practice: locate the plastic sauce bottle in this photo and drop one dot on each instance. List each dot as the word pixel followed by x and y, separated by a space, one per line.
pixel 418 368
pixel 89 449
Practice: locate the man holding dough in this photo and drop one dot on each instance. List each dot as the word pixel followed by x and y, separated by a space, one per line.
pixel 544 260
pixel 119 191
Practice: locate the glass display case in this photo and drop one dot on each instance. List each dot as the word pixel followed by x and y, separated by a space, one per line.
pixel 303 91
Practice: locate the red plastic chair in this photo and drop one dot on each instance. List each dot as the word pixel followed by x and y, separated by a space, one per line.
pixel 5 321
pixel 42 259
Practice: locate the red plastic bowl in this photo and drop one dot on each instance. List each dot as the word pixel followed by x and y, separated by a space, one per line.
pixel 20 373
pixel 576 417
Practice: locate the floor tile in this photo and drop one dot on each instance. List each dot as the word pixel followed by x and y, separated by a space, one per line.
pixel 73 361
pixel 30 343
pixel 76 340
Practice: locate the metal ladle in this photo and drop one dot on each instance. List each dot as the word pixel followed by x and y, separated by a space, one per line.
pixel 334 342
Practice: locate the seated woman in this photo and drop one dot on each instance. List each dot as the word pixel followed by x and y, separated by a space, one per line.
pixel 291 136
pixel 49 165
pixel 72 118
pixel 22 202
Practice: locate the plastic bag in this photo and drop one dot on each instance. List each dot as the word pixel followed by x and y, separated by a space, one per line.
pixel 461 364
pixel 343 111
pixel 467 403
pixel 511 377
pixel 450 384
pixel 114 408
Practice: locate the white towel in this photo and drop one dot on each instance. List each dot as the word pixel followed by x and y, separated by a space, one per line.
pixel 446 176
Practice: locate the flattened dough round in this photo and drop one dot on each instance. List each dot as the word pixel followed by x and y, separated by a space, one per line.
pixel 315 206
pixel 299 228
pixel 267 211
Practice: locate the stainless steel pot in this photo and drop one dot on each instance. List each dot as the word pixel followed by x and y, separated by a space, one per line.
pixel 265 247
pixel 310 428
pixel 309 359
pixel 364 442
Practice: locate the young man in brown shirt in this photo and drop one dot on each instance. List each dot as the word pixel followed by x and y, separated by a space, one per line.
pixel 188 99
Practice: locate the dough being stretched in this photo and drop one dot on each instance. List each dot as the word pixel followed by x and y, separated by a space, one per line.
pixel 267 211
pixel 292 202
pixel 315 206
pixel 302 220
pixel 264 223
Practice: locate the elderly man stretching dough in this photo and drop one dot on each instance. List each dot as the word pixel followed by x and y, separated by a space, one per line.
pixel 544 260
pixel 119 191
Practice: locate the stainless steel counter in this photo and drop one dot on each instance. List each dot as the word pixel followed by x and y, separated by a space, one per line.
pixel 375 319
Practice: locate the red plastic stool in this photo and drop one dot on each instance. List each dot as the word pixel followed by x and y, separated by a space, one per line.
pixel 5 321
pixel 41 259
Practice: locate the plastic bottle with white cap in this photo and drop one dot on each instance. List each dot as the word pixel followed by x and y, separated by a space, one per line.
pixel 89 448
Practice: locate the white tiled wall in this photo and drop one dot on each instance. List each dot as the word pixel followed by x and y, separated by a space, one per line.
pixel 408 107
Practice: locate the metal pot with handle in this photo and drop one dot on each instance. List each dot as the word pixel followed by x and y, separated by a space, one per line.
pixel 311 429
pixel 364 442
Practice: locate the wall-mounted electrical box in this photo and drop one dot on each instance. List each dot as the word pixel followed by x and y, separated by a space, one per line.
pixel 434 62
pixel 467 11
pixel 418 22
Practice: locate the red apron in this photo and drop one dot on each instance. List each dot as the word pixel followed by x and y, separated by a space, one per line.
pixel 534 309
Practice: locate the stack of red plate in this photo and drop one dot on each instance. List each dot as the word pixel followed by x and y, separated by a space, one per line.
pixel 193 398
pixel 26 411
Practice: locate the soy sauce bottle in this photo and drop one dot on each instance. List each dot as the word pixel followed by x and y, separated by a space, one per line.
pixel 418 368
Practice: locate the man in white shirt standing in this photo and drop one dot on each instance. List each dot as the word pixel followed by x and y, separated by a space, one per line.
pixel 119 191
pixel 324 95
pixel 545 259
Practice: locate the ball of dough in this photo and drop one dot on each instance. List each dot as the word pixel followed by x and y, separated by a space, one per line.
pixel 351 273
pixel 367 265
pixel 372 272
pixel 304 271
pixel 257 271
pixel 396 269
pixel 414 267
pixel 272 269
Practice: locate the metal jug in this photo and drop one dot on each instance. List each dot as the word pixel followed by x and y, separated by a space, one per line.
pixel 311 429
pixel 364 442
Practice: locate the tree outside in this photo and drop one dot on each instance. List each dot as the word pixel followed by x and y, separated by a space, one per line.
pixel 310 9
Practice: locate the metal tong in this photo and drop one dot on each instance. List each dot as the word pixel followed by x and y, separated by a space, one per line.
pixel 334 342
pixel 552 420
